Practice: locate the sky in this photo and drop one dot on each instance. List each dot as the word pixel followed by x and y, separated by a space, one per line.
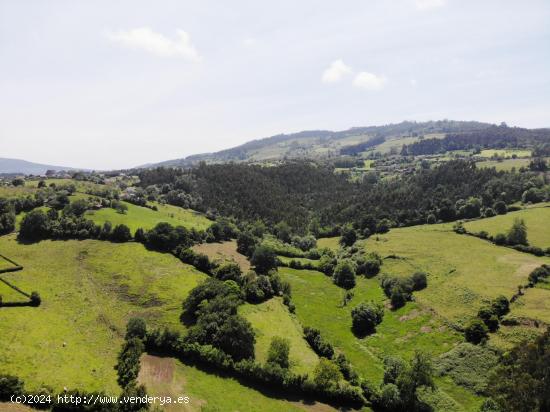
pixel 113 84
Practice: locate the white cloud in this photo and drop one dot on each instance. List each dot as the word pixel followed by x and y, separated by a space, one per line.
pixel 336 72
pixel 369 81
pixel 429 4
pixel 143 38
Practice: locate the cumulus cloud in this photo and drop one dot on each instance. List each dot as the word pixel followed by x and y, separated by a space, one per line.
pixel 429 4
pixel 369 81
pixel 143 38
pixel 336 72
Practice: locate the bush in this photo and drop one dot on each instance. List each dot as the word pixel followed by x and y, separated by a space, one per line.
pixel 500 239
pixel 419 281
pixel 317 343
pixel 475 332
pixel 517 235
pixel 278 352
pixel 136 328
pixel 344 275
pixel 349 236
pixel 128 364
pixel 365 317
pixel 326 374
pixel 9 386
pixel 121 233
pixel 35 299
pixel 500 207
pixel 501 306
pixel 263 259
pixel 228 271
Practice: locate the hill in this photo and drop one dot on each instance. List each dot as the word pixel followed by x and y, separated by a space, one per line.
pixel 18 166
pixel 319 144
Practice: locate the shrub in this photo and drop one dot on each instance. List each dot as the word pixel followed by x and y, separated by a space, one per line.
pixel 326 374
pixel 35 299
pixel 501 306
pixel 278 352
pixel 136 328
pixel 228 271
pixel 344 274
pixel 121 233
pixel 365 317
pixel 419 280
pixel 128 361
pixel 246 244
pixel 500 239
pixel 475 332
pixel 317 343
pixel 500 207
pixel 349 236
pixel 517 235
pixel 10 386
pixel 263 259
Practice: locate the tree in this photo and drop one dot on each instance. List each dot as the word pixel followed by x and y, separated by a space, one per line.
pixel 246 243
pixel 121 233
pixel 520 382
pixel 398 296
pixel 475 332
pixel 419 280
pixel 35 298
pixel 136 328
pixel 34 225
pixel 517 235
pixel 263 259
pixel 365 317
pixel 283 231
pixel 348 237
pixel 326 374
pixel 500 306
pixel 418 374
pixel 228 271
pixel 7 217
pixel 344 274
pixel 278 352
pixel 500 207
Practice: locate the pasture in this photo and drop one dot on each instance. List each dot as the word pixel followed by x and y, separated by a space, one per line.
pixel 504 165
pixel 463 271
pixel 211 392
pixel 223 252
pixel 272 318
pixel 329 242
pixel 319 304
pixel 536 219
pixel 89 290
pixel 138 216
pixel 506 153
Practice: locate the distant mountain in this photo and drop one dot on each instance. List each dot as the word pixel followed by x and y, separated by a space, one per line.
pixel 15 166
pixel 318 144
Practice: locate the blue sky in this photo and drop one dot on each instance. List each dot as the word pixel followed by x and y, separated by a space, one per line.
pixel 111 84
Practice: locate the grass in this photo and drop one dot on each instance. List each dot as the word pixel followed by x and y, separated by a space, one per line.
pixel 535 304
pixel 209 392
pixel 89 290
pixel 536 219
pixel 413 327
pixel 224 252
pixel 463 271
pixel 272 318
pixel 507 153
pixel 505 165
pixel 143 217
pixel 303 261
pixel 329 242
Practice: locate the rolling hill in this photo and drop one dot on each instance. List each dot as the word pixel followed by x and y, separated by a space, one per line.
pixel 18 166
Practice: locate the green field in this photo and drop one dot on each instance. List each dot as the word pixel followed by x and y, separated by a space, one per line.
pixel 536 219
pixel 505 165
pixel 507 153
pixel 143 217
pixel 211 392
pixel 89 290
pixel 463 271
pixel 318 304
pixel 272 318
pixel 303 261
pixel 534 304
pixel 329 242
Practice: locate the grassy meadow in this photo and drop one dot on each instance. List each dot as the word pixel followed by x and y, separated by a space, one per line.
pixel 138 216
pixel 210 392
pixel 89 290
pixel 504 165
pixel 463 271
pixel 536 219
pixel 272 318
pixel 223 252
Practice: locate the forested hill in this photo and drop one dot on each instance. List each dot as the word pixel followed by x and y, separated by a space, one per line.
pixel 299 193
pixel 318 144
